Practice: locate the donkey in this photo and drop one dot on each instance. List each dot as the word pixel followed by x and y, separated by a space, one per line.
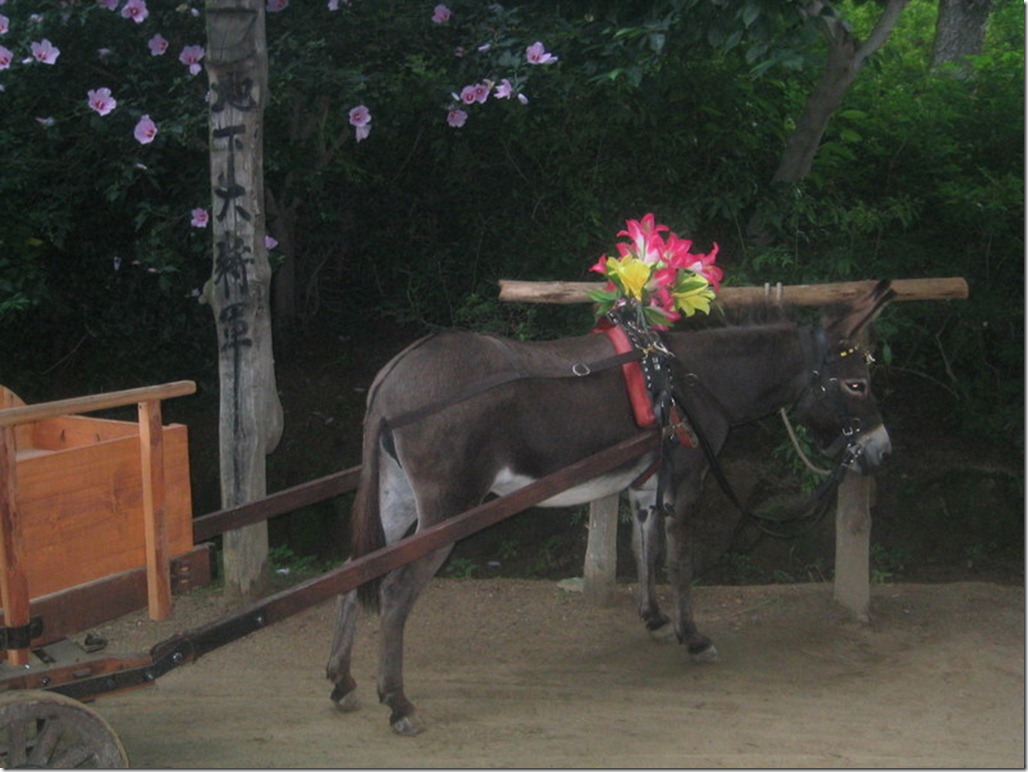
pixel 458 415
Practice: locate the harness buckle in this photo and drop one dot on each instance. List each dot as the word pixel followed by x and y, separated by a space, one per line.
pixel 581 370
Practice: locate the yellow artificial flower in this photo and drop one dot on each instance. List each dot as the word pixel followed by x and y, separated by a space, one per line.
pixel 693 295
pixel 632 274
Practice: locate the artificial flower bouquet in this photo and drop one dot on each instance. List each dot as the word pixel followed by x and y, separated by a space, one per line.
pixel 657 274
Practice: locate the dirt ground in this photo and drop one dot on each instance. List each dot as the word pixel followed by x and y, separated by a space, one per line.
pixel 518 673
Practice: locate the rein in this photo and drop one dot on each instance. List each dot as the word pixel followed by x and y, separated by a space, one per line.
pixel 805 514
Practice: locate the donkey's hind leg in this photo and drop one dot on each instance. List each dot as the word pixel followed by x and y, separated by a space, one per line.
pixel 646 528
pixel 399 591
pixel 398 513
pixel 344 693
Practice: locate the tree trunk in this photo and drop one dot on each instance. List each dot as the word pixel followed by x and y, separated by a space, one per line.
pixel 846 57
pixel 959 30
pixel 239 290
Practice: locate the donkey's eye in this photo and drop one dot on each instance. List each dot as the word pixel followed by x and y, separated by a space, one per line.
pixel 856 388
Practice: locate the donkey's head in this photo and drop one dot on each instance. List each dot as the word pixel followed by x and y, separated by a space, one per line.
pixel 838 405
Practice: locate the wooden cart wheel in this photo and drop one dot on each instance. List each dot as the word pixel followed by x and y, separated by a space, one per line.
pixel 47 730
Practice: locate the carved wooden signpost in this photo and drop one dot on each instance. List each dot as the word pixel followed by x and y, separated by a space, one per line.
pixel 853 517
pixel 239 291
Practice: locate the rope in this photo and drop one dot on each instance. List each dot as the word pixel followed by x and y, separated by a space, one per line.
pixel 799 450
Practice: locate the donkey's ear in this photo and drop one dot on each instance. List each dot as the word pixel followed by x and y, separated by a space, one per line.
pixel 862 312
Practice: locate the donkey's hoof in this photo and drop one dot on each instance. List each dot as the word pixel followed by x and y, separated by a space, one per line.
pixel 348 703
pixel 664 633
pixel 406 726
pixel 344 695
pixel 703 653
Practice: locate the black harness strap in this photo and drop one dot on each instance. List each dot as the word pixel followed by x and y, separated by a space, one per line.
pixel 517 373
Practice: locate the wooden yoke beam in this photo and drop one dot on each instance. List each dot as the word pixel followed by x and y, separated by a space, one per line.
pixel 954 288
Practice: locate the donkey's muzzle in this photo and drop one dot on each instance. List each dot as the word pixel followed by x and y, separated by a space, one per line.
pixel 876 447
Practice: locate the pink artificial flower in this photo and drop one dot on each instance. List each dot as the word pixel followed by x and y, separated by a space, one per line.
pixel 135 10
pixel 191 56
pixel 504 90
pixel 5 58
pixel 274 6
pixel 704 266
pixel 46 52
pixel 441 14
pixel 360 119
pixel 5 23
pixel 158 45
pixel 537 54
pixel 200 218
pixel 270 242
pixel 110 5
pixel 145 130
pixel 456 118
pixel 100 99
pixel 646 242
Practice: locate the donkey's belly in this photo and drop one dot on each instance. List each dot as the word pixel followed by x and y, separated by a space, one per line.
pixel 508 481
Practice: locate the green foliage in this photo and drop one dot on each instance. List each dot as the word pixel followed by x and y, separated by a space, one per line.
pixel 679 107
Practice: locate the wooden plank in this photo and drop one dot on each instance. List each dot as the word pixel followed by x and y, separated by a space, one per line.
pixel 28 413
pixel 278 503
pixel 77 609
pixel 81 509
pixel 599 575
pixel 155 514
pixel 954 288
pixel 14 591
pixel 72 431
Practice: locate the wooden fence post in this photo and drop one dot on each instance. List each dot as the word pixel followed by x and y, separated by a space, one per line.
pixel 853 545
pixel 155 521
pixel 601 553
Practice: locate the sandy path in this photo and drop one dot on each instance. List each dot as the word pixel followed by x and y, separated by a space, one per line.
pixel 520 673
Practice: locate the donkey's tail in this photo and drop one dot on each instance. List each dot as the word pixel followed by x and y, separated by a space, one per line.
pixel 367 534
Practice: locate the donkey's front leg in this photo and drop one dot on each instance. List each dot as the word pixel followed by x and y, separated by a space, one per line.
pixel 646 527
pixel 680 570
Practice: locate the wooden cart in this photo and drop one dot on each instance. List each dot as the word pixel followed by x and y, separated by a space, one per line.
pixel 95 515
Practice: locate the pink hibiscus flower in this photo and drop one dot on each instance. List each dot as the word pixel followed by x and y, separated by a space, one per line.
pixel 5 58
pixel 46 52
pixel 200 218
pixel 537 54
pixel 158 45
pixel 441 14
pixel 456 118
pixel 360 119
pixel 135 10
pixel 145 130
pixel 191 56
pixel 101 101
